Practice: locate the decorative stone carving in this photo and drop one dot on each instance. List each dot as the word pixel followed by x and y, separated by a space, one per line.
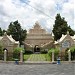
pixel 38 36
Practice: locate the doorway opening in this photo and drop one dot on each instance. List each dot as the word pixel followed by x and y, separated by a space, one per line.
pixel 36 48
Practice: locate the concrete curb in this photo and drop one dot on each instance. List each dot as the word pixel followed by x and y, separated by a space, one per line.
pixel 36 62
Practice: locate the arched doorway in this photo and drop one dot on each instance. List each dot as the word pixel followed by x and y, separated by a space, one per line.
pixel 36 48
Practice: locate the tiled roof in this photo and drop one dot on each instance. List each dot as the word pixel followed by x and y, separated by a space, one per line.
pixel 11 39
pixel 63 37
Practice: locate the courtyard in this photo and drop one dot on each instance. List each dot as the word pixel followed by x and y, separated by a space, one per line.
pixel 36 57
pixel 37 69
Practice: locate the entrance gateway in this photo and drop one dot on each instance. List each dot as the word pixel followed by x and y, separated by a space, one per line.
pixel 38 38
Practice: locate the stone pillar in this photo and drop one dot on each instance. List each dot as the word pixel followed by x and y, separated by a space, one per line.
pixel 69 55
pixel 5 55
pixel 21 56
pixel 52 56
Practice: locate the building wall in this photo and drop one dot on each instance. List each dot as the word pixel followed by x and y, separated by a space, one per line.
pixel 38 36
pixel 67 42
pixel 8 44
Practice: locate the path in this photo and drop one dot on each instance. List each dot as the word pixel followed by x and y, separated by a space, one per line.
pixel 37 57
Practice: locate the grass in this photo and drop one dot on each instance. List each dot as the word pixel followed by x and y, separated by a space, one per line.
pixel 26 56
pixel 38 57
pixel 47 57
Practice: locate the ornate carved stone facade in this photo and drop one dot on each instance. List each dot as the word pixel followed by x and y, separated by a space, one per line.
pixel 8 43
pixel 66 41
pixel 38 36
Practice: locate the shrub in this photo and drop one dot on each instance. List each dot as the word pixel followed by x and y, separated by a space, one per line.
pixel 43 51
pixel 66 54
pixel 72 49
pixel 1 49
pixel 1 52
pixel 50 53
pixel 56 52
pixel 16 52
pixel 28 52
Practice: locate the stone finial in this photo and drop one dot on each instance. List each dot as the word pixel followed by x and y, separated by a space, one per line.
pixel 68 32
pixel 36 23
pixel 37 26
pixel 5 34
pixel 10 36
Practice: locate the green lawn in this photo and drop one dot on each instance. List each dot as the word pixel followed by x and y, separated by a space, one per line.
pixel 26 56
pixel 36 57
pixel 47 57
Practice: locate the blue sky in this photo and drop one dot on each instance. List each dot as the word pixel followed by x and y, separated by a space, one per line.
pixel 27 12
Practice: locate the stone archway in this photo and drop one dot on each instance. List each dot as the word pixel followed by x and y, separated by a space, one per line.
pixel 36 48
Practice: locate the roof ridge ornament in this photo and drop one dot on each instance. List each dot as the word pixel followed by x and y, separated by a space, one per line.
pixel 36 23
pixel 5 34
pixel 67 32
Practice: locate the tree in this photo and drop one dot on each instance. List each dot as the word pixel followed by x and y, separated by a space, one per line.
pixel 61 27
pixel 1 32
pixel 4 32
pixel 1 49
pixel 16 31
pixel 71 32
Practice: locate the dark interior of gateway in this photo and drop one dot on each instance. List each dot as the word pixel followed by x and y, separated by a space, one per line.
pixel 36 48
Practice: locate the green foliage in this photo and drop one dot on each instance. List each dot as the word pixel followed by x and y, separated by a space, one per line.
pixel 1 49
pixel 26 56
pixel 71 32
pixel 66 54
pixel 16 31
pixel 50 52
pixel 1 33
pixel 44 51
pixel 56 52
pixel 48 58
pixel 61 27
pixel 28 52
pixel 4 31
pixel 72 49
pixel 16 52
pixel 1 52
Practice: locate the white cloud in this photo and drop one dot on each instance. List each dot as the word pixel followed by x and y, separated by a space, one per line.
pixel 39 10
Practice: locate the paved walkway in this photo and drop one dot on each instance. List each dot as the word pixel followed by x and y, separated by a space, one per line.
pixel 44 69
